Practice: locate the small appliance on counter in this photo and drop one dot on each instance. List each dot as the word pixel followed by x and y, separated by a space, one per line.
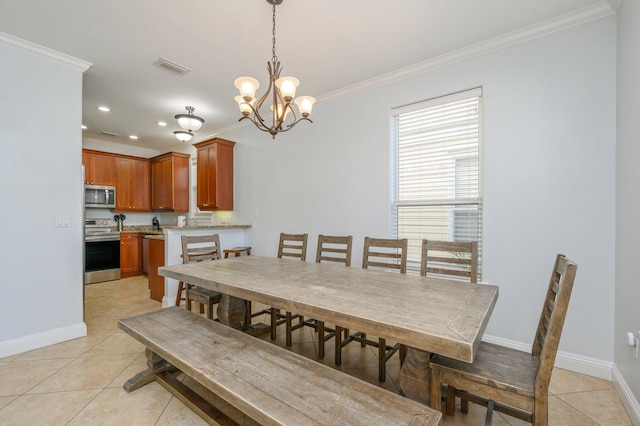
pixel 155 223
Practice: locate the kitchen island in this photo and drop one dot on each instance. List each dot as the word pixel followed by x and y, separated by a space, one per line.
pixel 230 236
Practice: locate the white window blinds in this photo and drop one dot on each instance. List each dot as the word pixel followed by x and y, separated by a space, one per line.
pixel 436 156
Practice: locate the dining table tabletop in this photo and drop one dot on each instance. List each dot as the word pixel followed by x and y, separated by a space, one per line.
pixel 426 314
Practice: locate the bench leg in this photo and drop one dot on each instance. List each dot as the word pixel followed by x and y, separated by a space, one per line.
pixel 191 399
pixel 155 365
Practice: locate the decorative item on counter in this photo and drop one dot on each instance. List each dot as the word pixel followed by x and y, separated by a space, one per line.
pixel 182 221
pixel 155 224
pixel 119 218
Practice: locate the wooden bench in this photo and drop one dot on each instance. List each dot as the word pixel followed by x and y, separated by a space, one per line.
pixel 269 384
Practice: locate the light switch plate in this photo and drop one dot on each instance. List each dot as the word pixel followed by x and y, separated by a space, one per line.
pixel 62 221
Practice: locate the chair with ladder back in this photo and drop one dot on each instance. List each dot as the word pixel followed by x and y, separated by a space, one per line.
pixel 293 246
pixel 512 381
pixel 199 249
pixel 389 255
pixel 335 249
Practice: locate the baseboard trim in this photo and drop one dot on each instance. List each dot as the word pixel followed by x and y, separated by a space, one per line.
pixel 566 360
pixel 631 404
pixel 40 340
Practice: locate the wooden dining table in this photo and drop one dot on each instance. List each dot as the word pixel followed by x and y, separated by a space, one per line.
pixel 428 315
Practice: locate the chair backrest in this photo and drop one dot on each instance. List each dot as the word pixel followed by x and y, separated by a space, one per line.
pixel 293 245
pixel 334 249
pixel 387 253
pixel 454 258
pixel 554 311
pixel 200 247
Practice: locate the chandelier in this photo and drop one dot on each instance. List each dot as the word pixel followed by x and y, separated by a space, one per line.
pixel 282 91
pixel 189 122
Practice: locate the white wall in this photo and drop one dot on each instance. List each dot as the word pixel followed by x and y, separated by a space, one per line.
pixel 628 202
pixel 40 177
pixel 549 115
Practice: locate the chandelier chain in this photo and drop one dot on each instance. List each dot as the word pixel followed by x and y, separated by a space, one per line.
pixel 274 58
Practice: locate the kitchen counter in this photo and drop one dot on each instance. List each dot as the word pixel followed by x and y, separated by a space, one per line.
pixel 148 230
pixel 153 237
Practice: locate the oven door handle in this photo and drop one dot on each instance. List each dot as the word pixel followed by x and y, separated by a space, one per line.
pixel 94 238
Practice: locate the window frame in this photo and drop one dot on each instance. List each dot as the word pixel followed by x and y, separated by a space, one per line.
pixel 475 203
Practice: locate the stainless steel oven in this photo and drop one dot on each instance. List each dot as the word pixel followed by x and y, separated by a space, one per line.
pixel 101 251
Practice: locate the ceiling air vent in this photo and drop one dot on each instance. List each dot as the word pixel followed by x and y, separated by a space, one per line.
pixel 104 132
pixel 173 66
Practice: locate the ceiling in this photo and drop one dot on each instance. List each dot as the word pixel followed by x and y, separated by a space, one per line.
pixel 329 45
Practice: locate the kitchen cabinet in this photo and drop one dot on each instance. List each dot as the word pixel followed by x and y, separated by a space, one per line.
pixel 156 260
pixel 99 168
pixel 215 174
pixel 170 182
pixel 130 254
pixel 133 192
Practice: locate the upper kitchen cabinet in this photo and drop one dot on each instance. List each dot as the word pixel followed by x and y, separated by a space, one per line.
pixel 215 174
pixel 133 192
pixel 170 182
pixel 99 168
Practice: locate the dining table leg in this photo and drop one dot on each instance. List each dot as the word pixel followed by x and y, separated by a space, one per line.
pixel 415 376
pixel 231 312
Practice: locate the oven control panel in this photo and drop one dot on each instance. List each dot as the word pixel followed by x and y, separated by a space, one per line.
pixel 102 223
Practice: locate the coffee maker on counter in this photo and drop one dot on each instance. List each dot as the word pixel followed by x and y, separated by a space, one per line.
pixel 155 223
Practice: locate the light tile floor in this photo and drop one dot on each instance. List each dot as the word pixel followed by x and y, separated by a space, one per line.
pixel 80 382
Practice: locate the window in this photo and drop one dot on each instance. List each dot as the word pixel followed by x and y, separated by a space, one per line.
pixel 436 171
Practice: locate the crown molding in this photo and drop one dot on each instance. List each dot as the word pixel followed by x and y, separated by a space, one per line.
pixel 51 55
pixel 581 16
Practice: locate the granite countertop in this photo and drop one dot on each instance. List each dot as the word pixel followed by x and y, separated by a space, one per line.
pixel 148 230
pixel 207 227
pixel 154 237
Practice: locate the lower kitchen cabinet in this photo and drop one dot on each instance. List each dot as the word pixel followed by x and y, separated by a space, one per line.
pixel 156 260
pixel 130 254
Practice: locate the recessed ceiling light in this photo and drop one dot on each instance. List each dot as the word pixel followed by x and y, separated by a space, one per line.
pixel 104 109
pixel 134 137
pixel 161 123
pixel 84 127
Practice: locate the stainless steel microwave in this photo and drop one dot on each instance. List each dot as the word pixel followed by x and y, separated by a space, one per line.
pixel 102 197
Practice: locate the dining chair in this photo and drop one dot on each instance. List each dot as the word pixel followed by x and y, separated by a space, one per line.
pixel 198 249
pixel 293 246
pixel 336 249
pixel 517 382
pixel 450 259
pixel 388 255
